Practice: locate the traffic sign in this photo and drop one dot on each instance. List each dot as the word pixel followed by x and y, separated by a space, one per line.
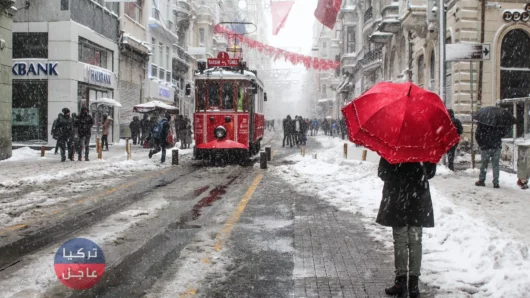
pixel 467 52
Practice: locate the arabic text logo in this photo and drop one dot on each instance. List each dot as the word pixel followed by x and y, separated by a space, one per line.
pixel 79 263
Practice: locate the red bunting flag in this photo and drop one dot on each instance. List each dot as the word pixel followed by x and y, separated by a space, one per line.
pixel 280 11
pixel 327 11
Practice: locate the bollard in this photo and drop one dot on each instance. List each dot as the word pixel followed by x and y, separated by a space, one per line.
pixel 42 151
pixel 127 145
pixel 364 155
pixel 269 153
pixel 175 157
pixel 303 151
pixel 263 159
pixel 98 148
pixel 129 151
pixel 473 161
pixel 315 156
pixel 346 150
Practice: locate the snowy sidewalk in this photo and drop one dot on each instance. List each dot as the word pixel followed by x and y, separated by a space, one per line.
pixel 478 246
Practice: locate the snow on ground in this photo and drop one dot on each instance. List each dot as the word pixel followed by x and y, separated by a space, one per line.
pixel 464 254
pixel 105 234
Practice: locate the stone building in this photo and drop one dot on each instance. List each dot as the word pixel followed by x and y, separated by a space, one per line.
pixel 6 56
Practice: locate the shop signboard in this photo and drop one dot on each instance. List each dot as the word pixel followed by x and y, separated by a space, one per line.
pixel 25 116
pixel 34 68
pixel 164 92
pixel 98 76
pixel 223 60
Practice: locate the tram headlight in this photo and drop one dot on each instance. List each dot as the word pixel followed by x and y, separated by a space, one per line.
pixel 220 132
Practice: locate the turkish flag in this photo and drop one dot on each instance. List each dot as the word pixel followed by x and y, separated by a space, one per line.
pixel 327 11
pixel 280 11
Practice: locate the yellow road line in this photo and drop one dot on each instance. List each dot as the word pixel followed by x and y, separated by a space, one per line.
pixel 225 233
pixel 232 221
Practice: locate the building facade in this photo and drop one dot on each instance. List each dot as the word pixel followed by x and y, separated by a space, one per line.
pixel 63 58
pixel 386 40
pixel 6 60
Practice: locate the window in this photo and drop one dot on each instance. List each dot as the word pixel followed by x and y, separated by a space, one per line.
pixel 228 96
pixel 201 95
pixel 168 60
pixel 421 69
pixel 350 40
pixel 432 71
pixel 134 10
pixel 153 50
pixel 64 4
pixel 162 74
pixel 30 45
pixel 30 110
pixel 161 56
pixel 213 95
pixel 92 54
pixel 201 37
pixel 112 6
pixel 168 76
pixel 154 70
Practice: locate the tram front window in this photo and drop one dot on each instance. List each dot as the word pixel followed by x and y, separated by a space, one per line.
pixel 228 96
pixel 213 95
pixel 201 97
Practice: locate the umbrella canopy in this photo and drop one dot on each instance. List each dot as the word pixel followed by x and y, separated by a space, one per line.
pixel 329 117
pixel 495 116
pixel 152 106
pixel 401 122
pixel 106 101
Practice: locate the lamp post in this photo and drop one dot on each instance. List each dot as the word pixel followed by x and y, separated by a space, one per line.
pixel 441 41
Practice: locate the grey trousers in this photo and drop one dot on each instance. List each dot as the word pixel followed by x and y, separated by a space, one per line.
pixel 407 250
pixel 485 156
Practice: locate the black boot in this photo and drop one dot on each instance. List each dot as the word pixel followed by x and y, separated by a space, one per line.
pixel 414 291
pixel 399 289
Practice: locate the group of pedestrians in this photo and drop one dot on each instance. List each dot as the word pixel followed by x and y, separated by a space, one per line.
pixel 73 133
pixel 329 126
pixel 295 131
pixel 142 134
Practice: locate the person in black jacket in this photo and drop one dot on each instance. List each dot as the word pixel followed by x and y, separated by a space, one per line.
pixel 160 139
pixel 407 208
pixel 145 126
pixel 452 151
pixel 489 140
pixel 65 134
pixel 84 125
pixel 135 129
pixel 287 131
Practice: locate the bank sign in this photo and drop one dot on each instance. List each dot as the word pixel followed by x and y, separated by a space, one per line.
pixel 97 76
pixel 34 68
pixel 164 92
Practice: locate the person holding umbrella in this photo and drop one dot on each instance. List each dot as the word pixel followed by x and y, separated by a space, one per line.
pixel 418 131
pixel 492 126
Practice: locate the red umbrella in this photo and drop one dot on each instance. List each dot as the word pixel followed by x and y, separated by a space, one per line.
pixel 401 122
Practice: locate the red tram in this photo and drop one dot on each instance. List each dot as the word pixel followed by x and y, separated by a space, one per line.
pixel 229 102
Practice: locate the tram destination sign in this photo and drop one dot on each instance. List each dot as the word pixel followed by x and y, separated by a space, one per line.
pixel 467 52
pixel 223 60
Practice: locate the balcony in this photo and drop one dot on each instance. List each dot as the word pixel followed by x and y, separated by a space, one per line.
pixel 381 37
pixel 155 14
pixel 391 22
pixel 413 15
pixel 182 11
pixel 371 60
pixel 181 60
pixel 156 23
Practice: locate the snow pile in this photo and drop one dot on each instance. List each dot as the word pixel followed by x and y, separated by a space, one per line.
pixel 462 256
pixel 24 153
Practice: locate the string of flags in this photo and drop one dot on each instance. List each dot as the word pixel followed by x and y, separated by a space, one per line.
pixel 276 53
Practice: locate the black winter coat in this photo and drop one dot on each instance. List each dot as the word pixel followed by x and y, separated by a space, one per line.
pixel 406 194
pixel 84 125
pixel 65 127
pixel 489 137
pixel 135 126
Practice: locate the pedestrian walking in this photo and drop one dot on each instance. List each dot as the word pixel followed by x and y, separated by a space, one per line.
pixel 159 135
pixel 459 129
pixel 55 133
pixel 144 126
pixel 489 140
pixel 84 124
pixel 181 126
pixel 343 128
pixel 135 127
pixel 296 132
pixel 287 131
pixel 65 134
pixel 188 136
pixel 107 121
pixel 406 206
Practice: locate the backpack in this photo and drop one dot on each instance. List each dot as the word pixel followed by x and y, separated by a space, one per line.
pixel 158 130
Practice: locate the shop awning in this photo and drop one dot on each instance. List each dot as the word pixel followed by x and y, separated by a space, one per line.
pixel 152 106
pixel 106 102
pixel 344 84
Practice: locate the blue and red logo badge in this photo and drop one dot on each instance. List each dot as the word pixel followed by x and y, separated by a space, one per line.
pixel 79 263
